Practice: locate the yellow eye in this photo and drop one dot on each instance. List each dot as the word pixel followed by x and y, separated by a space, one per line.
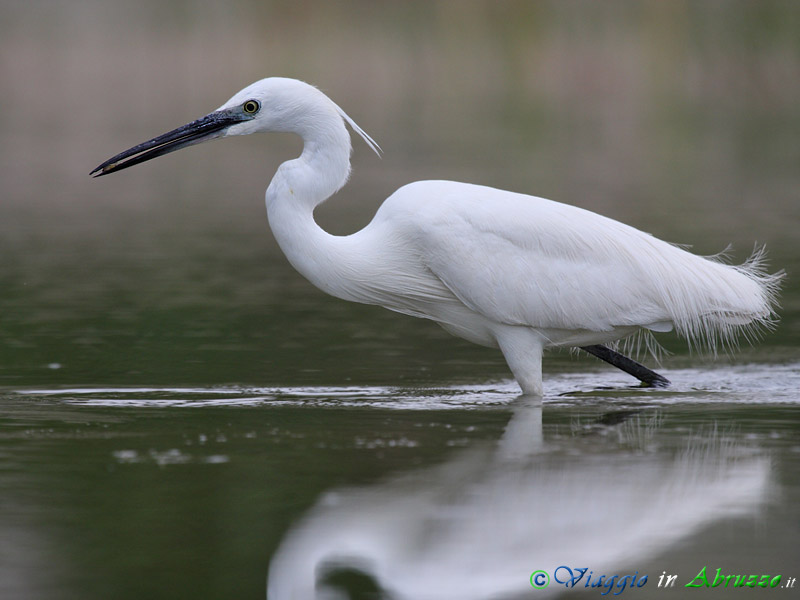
pixel 251 107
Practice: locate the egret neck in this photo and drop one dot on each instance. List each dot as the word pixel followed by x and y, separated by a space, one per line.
pixel 302 184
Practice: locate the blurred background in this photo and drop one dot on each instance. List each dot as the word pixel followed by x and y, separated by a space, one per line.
pixel 679 118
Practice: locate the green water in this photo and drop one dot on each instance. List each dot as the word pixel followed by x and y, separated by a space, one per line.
pixel 192 492
pixel 181 415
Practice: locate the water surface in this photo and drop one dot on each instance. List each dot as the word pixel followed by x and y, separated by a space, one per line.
pixel 464 491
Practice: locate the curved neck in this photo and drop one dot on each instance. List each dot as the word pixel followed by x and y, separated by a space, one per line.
pixel 324 165
pixel 302 184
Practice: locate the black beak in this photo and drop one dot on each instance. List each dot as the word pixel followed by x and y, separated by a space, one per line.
pixel 207 128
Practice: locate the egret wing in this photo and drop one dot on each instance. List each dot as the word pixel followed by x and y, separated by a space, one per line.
pixel 522 260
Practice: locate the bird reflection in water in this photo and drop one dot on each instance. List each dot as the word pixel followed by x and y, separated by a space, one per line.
pixel 477 526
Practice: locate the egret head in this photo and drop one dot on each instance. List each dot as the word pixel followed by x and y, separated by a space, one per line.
pixel 276 104
pixel 273 104
pixel 242 114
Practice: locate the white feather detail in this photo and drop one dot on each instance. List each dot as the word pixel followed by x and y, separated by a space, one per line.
pixel 522 260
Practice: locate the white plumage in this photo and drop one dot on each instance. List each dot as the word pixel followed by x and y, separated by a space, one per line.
pixel 494 267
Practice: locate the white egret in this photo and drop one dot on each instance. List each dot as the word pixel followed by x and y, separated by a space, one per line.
pixel 497 268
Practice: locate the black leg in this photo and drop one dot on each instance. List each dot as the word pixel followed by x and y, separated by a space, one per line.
pixel 631 367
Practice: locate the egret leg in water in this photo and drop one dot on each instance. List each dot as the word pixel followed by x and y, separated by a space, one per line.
pixel 497 268
pixel 630 366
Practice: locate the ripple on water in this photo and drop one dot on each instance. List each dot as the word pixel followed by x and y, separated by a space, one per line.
pixel 746 384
